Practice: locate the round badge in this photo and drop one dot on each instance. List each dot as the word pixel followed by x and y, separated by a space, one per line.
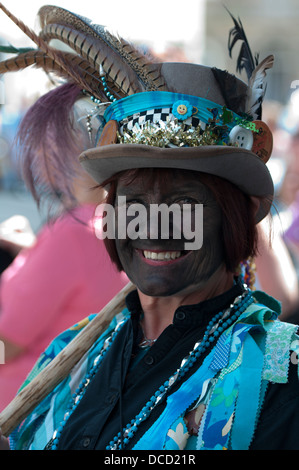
pixel 182 110
pixel 262 141
pixel 242 137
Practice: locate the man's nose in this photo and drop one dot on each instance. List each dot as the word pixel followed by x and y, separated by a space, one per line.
pixel 165 224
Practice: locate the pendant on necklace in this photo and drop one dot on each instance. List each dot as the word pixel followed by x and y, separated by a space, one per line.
pixel 146 343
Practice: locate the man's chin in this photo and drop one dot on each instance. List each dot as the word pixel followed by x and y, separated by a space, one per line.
pixel 158 290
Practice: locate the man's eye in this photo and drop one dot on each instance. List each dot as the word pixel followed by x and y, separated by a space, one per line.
pixel 186 200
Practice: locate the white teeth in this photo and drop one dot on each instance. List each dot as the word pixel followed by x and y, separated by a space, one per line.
pixel 162 255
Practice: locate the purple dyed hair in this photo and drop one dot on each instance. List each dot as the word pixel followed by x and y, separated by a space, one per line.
pixel 48 145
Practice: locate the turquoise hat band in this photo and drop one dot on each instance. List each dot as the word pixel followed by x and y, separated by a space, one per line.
pixel 183 106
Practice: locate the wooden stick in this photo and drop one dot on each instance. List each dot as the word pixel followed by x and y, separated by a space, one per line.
pixel 31 395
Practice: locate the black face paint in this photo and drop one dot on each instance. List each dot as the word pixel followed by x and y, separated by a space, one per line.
pixel 163 267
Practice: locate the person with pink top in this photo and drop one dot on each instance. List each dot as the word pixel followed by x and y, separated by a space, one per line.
pixel 65 273
pixel 63 277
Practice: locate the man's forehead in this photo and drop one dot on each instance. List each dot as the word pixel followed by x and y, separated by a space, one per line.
pixel 162 181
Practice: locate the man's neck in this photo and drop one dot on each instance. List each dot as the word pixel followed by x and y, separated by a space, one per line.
pixel 159 311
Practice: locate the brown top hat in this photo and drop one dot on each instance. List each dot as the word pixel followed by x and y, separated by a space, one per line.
pixel 228 146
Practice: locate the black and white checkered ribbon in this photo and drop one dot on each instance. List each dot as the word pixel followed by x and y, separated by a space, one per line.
pixel 154 116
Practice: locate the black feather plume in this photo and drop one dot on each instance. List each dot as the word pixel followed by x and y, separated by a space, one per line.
pixel 234 99
pixel 245 60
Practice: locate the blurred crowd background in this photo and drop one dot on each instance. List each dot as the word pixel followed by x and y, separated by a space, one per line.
pixel 195 31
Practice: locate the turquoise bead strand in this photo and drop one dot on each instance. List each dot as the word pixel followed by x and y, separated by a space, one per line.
pixel 220 322
pixel 131 428
pixel 109 95
pixel 79 392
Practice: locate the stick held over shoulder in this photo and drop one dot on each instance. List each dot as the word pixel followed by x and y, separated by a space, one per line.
pixel 31 395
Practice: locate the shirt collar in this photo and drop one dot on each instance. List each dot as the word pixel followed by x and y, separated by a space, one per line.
pixel 197 314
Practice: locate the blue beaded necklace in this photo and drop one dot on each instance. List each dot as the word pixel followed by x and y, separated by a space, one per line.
pixel 215 327
pixel 79 392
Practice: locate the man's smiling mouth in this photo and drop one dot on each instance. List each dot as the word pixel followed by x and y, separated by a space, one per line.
pixel 162 255
pixel 159 257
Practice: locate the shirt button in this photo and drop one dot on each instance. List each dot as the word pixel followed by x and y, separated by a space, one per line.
pixel 149 360
pixel 86 442
pixel 180 315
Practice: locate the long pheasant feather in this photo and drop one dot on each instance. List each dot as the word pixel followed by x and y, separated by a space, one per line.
pixel 148 71
pixel 51 53
pixel 39 59
pixel 97 53
pixel 49 14
pixel 145 68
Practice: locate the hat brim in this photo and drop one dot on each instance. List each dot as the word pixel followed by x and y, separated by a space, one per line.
pixel 241 167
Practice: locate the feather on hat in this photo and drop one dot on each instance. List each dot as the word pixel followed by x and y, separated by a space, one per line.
pixel 199 107
pixel 255 71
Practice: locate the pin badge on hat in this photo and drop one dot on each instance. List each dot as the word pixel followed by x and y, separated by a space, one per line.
pixel 262 141
pixel 182 110
pixel 259 140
